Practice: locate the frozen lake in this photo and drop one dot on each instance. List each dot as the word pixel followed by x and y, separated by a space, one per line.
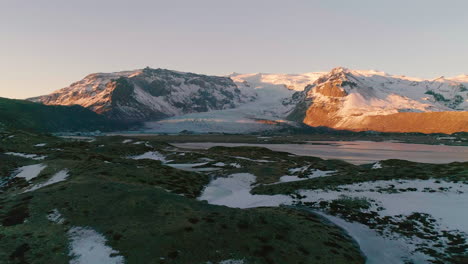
pixel 358 152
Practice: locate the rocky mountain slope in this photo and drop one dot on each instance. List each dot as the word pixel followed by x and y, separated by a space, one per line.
pixel 371 100
pixel 150 94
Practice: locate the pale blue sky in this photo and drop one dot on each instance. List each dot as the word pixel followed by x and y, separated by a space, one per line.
pixel 48 44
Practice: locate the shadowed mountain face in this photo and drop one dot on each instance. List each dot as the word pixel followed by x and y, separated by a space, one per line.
pixel 24 115
pixel 341 99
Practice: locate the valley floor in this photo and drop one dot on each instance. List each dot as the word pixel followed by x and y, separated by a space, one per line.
pixel 132 200
pixel 459 139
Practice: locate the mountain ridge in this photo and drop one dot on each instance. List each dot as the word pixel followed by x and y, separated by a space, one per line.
pixel 341 98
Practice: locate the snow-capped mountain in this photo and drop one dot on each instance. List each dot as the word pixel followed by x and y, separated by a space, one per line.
pixel 150 94
pixel 372 100
pixel 171 101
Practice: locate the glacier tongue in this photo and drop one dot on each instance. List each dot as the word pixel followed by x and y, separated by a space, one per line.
pixel 267 112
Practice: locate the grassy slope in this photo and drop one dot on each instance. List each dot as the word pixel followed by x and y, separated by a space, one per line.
pixel 127 201
pixel 25 115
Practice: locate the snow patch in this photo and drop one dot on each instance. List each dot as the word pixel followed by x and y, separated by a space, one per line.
pixel 235 165
pixel 315 174
pixel 154 155
pixel 28 156
pixel 232 261
pixel 29 172
pixel 234 191
pixel 377 165
pixel 254 160
pixel 192 166
pixel 300 169
pixel 88 246
pixel 56 217
pixel 58 177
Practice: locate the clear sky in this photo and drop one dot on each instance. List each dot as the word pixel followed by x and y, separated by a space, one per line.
pixel 48 44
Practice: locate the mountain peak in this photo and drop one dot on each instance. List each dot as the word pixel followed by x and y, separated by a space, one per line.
pixel 340 69
pixel 338 73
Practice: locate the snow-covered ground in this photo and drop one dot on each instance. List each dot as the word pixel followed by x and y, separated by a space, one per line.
pixel 441 200
pixel 400 200
pixel 234 191
pixel 88 246
pixel 377 249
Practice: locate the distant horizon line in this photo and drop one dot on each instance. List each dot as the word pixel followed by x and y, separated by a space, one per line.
pixel 285 73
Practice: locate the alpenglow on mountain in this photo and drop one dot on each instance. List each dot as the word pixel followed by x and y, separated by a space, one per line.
pixel 171 101
pixel 371 100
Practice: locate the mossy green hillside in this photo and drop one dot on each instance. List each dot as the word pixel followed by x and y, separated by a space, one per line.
pixel 146 209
